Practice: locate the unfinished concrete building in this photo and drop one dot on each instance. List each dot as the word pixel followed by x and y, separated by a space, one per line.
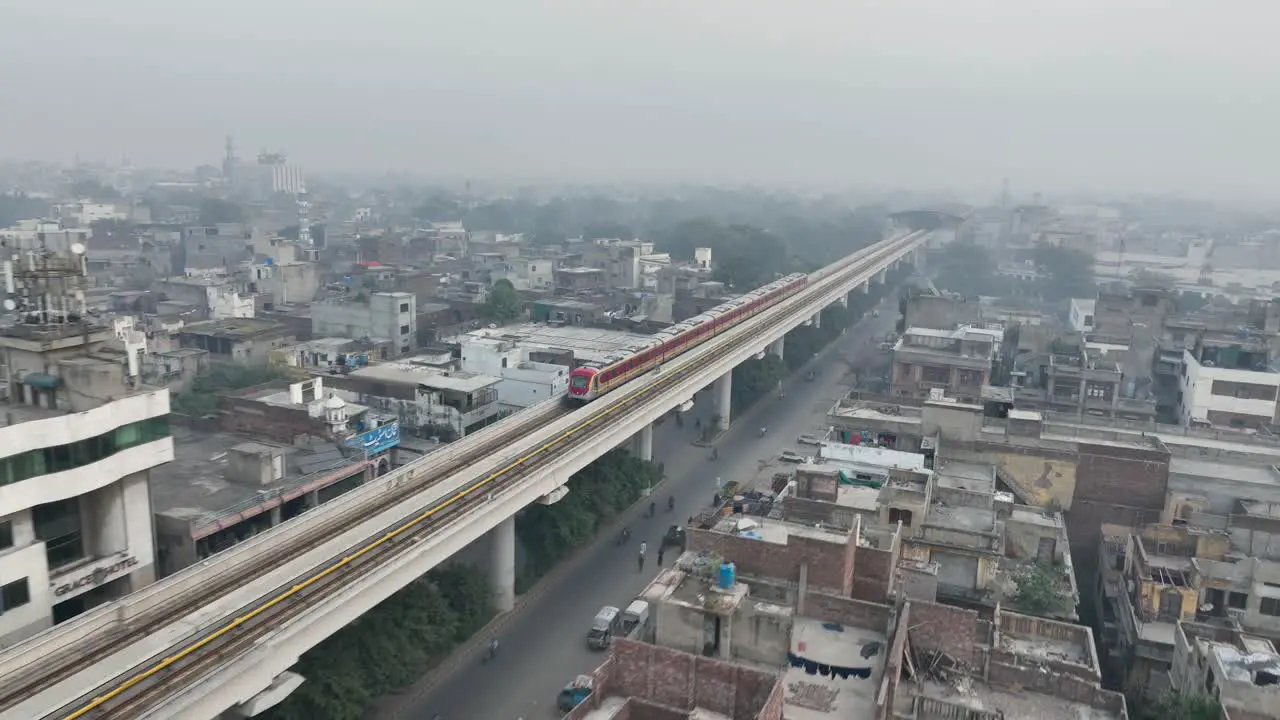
pixel 957 361
pixel 1081 378
pixel 962 539
pixel 959 665
pixel 1203 570
pixel 1241 671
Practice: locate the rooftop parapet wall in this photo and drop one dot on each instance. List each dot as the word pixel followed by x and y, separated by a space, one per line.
pixel 1058 646
pixel 829 567
pixel 1059 685
pixel 672 682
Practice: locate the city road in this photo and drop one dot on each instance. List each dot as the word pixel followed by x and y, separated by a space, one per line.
pixel 545 646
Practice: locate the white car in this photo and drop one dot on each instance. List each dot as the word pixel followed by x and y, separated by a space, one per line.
pixel 808 439
pixel 791 456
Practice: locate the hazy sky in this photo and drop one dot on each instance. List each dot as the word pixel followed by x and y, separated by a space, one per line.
pixel 1155 95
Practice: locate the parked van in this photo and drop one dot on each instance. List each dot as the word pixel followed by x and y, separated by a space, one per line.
pixel 635 619
pixel 606 624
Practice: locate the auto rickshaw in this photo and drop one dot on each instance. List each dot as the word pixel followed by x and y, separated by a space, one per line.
pixel 574 693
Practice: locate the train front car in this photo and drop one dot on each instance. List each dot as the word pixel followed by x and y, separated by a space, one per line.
pixel 582 386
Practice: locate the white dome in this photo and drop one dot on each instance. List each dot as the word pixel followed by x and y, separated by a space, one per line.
pixel 333 402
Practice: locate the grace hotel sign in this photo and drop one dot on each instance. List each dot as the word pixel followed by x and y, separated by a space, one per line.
pixel 93 578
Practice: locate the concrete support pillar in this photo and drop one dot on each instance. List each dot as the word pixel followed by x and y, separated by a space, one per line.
pixel 502 565
pixel 844 301
pixel 724 401
pixel 882 275
pixel 865 287
pixel 776 346
pixel 644 443
pixel 817 319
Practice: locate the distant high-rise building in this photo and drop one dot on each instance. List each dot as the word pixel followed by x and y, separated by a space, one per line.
pixel 287 179
pixel 304 219
pixel 270 175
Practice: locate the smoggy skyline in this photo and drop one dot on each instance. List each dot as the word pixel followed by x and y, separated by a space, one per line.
pixel 1120 95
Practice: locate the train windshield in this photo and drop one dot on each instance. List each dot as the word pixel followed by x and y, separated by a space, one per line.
pixel 579 382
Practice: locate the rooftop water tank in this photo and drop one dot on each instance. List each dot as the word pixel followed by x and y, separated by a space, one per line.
pixel 728 575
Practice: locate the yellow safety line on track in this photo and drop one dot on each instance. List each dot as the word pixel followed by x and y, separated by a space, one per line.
pixel 206 640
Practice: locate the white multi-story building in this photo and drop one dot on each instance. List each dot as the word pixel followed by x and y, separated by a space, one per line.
pixel 524 382
pixel 1082 314
pixel 390 317
pixel 1228 384
pixel 84 212
pixel 79 439
pixel 526 273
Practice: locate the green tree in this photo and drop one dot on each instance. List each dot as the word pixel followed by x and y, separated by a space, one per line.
pixel 202 397
pixel 94 190
pixel 503 304
pixel 966 268
pixel 439 208
pixel 18 206
pixel 505 216
pixel 597 493
pixel 1178 706
pixel 816 241
pixel 318 234
pixel 215 210
pixel 754 379
pixel 1069 272
pixel 289 232
pixel 743 257
pixel 390 646
pixel 608 231
pixel 1038 591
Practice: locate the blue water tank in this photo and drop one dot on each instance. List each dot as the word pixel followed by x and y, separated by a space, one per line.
pixel 728 575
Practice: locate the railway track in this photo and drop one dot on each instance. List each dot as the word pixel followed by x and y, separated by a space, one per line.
pixel 62 665
pixel 131 693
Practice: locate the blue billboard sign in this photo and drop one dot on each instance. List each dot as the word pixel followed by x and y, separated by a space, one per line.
pixel 377 440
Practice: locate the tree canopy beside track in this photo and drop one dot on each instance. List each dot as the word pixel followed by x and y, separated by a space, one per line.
pixel 597 494
pixel 389 647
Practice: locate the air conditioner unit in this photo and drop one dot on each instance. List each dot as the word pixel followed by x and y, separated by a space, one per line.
pixel 1236 615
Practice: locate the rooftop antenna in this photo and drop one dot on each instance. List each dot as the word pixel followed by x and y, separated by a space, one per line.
pixel 46 289
pixel 229 158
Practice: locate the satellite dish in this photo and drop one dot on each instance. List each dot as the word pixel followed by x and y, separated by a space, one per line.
pixel 77 248
pixel 9 304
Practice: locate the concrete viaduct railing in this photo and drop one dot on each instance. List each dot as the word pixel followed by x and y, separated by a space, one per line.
pixel 250 674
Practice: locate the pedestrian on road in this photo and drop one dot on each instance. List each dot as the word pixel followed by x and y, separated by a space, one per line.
pixel 660 556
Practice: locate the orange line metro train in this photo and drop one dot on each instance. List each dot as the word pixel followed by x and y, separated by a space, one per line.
pixel 590 382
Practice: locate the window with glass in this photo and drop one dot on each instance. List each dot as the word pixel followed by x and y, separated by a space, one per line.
pixel 68 456
pixel 14 595
pixel 59 525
